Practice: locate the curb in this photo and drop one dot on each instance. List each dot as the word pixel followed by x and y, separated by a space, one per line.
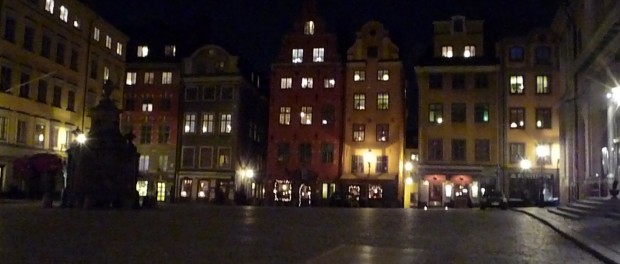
pixel 597 250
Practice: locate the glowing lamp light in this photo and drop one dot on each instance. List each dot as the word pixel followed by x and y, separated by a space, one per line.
pixel 543 151
pixel 538 123
pixel 439 120
pixel 41 137
pixel 201 194
pixel 409 181
pixel 81 138
pixel 408 166
pixel 324 122
pixel 614 95
pixel 513 125
pixel 249 174
pixel 466 54
pixel 386 77
pixel 425 208
pixel 525 164
pixel 356 77
pixel 446 208
pixel 368 157
pixel 482 190
pixel 186 128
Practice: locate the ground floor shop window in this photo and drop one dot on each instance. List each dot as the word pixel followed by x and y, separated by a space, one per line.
pixel 282 191
pixel 142 188
pixel 203 189
pixel 186 188
pixel 375 192
pixel 305 195
pixel 161 191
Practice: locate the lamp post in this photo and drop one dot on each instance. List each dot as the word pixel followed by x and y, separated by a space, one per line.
pixel 542 153
pixel 368 158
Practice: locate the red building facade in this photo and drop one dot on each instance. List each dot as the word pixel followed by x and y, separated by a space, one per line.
pixel 305 115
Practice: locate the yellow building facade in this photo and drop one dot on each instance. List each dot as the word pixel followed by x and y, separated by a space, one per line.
pixel 459 115
pixel 374 120
pixel 54 59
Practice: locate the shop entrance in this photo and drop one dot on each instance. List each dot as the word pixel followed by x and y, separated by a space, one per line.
pixel 435 189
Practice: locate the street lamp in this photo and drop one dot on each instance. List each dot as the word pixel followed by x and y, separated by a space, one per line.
pixel 542 152
pixel 368 158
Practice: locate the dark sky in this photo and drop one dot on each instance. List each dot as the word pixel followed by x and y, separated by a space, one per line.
pixel 253 29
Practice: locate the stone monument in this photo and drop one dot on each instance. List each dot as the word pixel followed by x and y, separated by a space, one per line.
pixel 102 171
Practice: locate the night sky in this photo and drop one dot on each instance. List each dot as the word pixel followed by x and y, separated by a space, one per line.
pixel 253 29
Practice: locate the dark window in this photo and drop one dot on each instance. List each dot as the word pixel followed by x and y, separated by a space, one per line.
pixel 481 113
pixel 328 115
pixel 206 157
pixel 94 68
pixel 517 152
pixel 166 104
pixel 145 134
pixel 435 81
pixel 382 164
pixel 457 25
pixel 227 93
pixel 458 81
pixel 459 113
pixel 543 55
pixel 60 53
pixel 383 132
pixel 372 52
pixel 357 164
pixel 42 92
pixel 327 153
pixel 283 153
pixel 164 134
pixel 482 81
pixel 187 158
pixel 543 118
pixel 435 149
pixel 129 104
pixel 9 29
pixel 208 93
pixel 459 150
pixel 29 38
pixel 305 153
pixel 517 118
pixel 71 100
pixel 191 93
pixel 24 88
pixel 57 96
pixel 75 56
pixel 516 54
pixel 482 149
pixel 46 46
pixel 5 78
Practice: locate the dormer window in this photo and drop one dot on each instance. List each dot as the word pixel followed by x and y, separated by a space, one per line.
pixel 143 51
pixel 309 28
pixel 470 51
pixel 458 25
pixel 446 51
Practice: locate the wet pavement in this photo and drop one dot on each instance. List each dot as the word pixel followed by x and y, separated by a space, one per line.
pixel 599 235
pixel 228 234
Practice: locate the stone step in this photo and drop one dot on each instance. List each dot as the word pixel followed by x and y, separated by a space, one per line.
pixel 564 214
pixel 585 206
pixel 613 215
pixel 573 210
pixel 592 201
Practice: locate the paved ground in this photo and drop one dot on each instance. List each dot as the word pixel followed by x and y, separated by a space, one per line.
pixel 599 235
pixel 212 234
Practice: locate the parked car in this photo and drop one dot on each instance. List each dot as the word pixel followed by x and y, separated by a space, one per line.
pixel 493 198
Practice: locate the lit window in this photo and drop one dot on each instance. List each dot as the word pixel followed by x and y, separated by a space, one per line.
pixel 106 73
pixel 170 51
pixel 39 135
pixel 309 28
pixel 383 101
pixel 76 22
pixel 359 101
pixel 190 123
pixel 145 134
pixel 470 51
pixel 375 192
pixel 161 190
pixel 96 33
pixel 225 123
pixel 435 113
pixel 383 132
pixel 446 51
pixel 149 78
pixel 359 76
pixel 131 78
pixel 64 13
pixel 481 113
pixel 516 84
pixel 143 51
pixel 298 55
pixel 542 84
pixel 144 163
pixel 119 48
pixel 329 82
pixel 543 118
pixel 49 6
pixel 383 75
pixel 306 115
pixel 318 54
pixel 359 132
pixel 208 123
pixel 108 42
pixel 285 115
pixel 286 83
pixel 306 83
pixel 147 107
pixel 517 118
pixel 166 77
